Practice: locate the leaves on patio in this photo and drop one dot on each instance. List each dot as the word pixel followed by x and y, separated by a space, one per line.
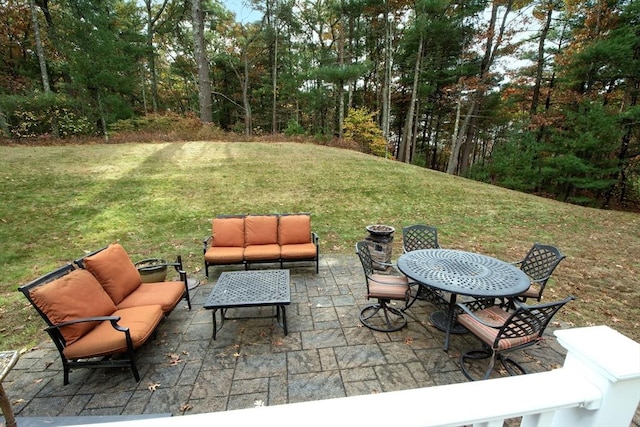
pixel 186 407
pixel 408 340
pixel 153 387
pixel 258 403
pixel 174 359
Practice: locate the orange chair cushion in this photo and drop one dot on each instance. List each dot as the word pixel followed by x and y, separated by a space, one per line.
pixel 262 252
pixel 74 296
pixel 228 232
pixel 496 317
pixel 104 340
pixel 388 287
pixel 165 294
pixel 260 230
pixel 294 229
pixel 115 271
pixel 224 255
pixel 299 251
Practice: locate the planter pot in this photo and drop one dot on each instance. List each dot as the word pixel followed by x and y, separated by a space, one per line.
pixel 152 270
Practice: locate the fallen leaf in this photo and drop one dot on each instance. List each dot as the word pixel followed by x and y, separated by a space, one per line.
pixel 185 407
pixel 258 403
pixel 236 354
pixel 153 387
pixel 408 340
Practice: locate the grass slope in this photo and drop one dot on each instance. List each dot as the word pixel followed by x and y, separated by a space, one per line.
pixel 60 202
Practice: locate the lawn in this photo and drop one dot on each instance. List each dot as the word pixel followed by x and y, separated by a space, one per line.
pixel 60 202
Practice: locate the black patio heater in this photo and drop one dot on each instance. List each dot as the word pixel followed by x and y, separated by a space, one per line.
pixel 380 242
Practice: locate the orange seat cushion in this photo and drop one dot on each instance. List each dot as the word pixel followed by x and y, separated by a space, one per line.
pixel 104 340
pixel 228 232
pixel 294 229
pixel 260 230
pixel 74 296
pixel 388 287
pixel 262 252
pixel 299 251
pixel 224 255
pixel 115 271
pixel 496 317
pixel 165 294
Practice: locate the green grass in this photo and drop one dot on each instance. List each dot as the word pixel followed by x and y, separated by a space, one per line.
pixel 60 202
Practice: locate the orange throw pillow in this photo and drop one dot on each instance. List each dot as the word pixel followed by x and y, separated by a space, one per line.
pixel 74 296
pixel 115 271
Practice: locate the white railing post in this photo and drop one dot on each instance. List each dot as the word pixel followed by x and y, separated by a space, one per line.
pixel 611 361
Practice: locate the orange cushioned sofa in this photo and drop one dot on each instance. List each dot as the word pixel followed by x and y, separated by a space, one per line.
pixel 99 308
pixel 271 238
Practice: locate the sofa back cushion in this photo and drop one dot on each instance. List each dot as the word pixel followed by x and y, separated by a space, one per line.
pixel 73 296
pixel 294 229
pixel 115 271
pixel 261 230
pixel 228 232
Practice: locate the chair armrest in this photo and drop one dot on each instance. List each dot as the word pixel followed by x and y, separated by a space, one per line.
pixel 466 310
pixel 314 238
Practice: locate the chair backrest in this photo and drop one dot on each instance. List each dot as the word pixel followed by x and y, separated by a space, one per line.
pixel 419 236
pixel 529 320
pixel 363 252
pixel 540 262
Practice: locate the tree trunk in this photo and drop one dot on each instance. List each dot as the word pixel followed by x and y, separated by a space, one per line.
pixel 248 125
pixel 535 99
pixel 405 143
pixel 39 48
pixel 386 92
pixel 204 84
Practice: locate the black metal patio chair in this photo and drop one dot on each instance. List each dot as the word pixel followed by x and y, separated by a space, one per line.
pixel 419 236
pixel 501 331
pixel 381 316
pixel 539 263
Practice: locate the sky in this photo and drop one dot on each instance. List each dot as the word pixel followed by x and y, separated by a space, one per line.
pixel 243 10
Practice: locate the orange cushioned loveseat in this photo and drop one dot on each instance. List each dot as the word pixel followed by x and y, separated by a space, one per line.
pixel 99 308
pixel 272 238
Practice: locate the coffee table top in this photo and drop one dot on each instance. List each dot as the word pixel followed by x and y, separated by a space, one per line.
pixel 250 288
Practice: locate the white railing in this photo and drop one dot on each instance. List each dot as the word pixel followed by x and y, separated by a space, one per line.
pixel 598 385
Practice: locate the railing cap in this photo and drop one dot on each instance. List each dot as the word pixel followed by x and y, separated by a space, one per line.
pixel 603 349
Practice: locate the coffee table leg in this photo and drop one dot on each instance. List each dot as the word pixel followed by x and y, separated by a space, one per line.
pixel 284 320
pixel 215 326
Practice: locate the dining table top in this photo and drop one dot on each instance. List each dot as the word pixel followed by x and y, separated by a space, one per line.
pixel 464 273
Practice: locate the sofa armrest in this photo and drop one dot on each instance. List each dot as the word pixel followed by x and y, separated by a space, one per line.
pixel 113 319
pixel 206 242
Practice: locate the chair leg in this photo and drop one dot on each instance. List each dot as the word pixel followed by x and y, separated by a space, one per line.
pixel 380 317
pixel 512 367
pixel 485 353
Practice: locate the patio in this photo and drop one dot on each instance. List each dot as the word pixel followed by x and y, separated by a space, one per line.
pixel 326 354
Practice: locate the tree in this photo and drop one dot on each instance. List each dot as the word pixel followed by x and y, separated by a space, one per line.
pixel 199 50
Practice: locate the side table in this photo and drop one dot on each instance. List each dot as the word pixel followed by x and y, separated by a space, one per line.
pixel 7 361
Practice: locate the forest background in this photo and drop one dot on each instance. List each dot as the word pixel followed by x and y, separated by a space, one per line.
pixel 539 96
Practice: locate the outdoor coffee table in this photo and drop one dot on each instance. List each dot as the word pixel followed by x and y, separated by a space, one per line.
pixel 253 288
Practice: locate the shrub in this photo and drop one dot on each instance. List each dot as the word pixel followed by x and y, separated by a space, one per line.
pixel 293 128
pixel 360 127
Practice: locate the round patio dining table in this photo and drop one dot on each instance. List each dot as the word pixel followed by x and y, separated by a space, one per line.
pixel 462 273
